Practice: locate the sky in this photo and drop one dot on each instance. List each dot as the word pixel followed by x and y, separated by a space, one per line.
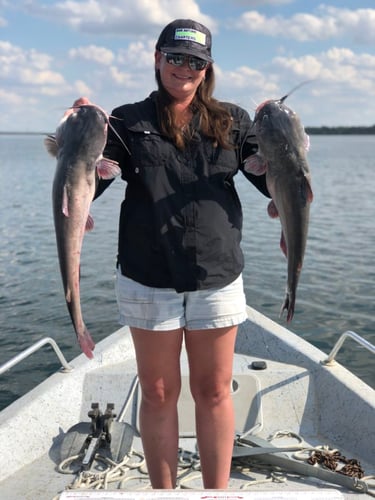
pixel 53 51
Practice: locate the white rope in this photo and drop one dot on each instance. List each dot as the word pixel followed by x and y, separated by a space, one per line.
pixel 189 469
pixel 275 477
pixel 113 472
pixel 285 433
pixel 63 466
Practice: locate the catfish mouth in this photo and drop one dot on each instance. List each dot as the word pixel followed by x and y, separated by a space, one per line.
pixel 272 119
pixel 107 121
pixel 276 101
pixel 261 113
pixel 261 105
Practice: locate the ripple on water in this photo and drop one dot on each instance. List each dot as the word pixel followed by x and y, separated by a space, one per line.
pixel 336 290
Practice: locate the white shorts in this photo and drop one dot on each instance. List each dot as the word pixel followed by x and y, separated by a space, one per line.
pixel 164 309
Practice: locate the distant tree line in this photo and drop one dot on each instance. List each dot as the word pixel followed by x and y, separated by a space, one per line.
pixel 340 130
pixel 323 130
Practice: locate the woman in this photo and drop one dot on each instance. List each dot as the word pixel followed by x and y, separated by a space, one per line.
pixel 179 257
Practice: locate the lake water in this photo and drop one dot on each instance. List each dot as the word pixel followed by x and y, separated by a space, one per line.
pixel 336 290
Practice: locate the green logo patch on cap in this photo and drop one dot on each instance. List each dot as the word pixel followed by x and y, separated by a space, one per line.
pixel 191 35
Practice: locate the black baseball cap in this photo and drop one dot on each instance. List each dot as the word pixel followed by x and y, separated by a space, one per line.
pixel 185 36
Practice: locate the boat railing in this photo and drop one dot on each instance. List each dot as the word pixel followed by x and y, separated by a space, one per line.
pixel 330 360
pixel 66 368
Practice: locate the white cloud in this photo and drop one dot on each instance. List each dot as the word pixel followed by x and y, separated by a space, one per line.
pixel 301 27
pixel 121 17
pixel 99 55
pixel 138 55
pixel 245 86
pixel 9 97
pixel 328 22
pixel 261 3
pixel 120 77
pixel 339 66
pixel 31 76
pixel 244 77
pixel 357 24
pixel 335 76
pixel 82 88
pixel 26 67
pixel 106 52
pixel 339 82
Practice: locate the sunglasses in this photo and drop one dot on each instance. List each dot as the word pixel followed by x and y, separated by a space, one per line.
pixel 195 63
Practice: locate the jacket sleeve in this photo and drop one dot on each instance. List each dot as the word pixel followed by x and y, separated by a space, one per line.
pixel 115 149
pixel 248 148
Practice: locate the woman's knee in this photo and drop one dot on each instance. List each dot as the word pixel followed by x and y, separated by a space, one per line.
pixel 159 395
pixel 211 393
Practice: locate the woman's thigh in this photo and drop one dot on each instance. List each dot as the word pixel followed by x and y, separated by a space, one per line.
pixel 210 353
pixel 158 362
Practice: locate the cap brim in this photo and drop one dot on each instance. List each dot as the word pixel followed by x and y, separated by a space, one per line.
pixel 188 51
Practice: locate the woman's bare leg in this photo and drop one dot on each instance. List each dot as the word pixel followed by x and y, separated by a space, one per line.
pixel 210 354
pixel 158 360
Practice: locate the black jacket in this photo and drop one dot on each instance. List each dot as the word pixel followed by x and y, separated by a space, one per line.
pixel 181 220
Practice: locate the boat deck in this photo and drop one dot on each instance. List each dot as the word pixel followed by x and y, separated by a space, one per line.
pixel 293 402
pixel 280 398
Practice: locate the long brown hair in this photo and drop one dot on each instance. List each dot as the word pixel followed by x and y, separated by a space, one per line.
pixel 215 120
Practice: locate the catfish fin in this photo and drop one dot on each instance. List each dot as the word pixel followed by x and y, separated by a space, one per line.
pixel 89 223
pixel 107 169
pixel 272 210
pixel 51 145
pixel 255 164
pixel 310 195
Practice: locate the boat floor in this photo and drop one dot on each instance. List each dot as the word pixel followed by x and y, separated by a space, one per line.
pixel 40 481
pixel 283 397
